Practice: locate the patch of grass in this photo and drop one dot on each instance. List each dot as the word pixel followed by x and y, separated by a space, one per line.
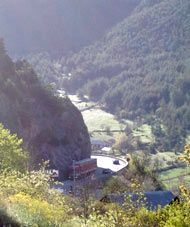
pixel 175 177
pixel 103 135
pixel 174 173
pixel 97 119
pixel 173 184
pixel 145 133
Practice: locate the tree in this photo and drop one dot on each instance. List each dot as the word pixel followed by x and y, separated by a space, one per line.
pixel 11 154
pixel 108 131
pixel 114 185
pixel 124 143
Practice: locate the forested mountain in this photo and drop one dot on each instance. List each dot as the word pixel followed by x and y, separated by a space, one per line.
pixel 58 26
pixel 52 128
pixel 141 67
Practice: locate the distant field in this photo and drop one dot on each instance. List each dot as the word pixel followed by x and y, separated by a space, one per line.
pixel 145 133
pixel 180 179
pixel 174 173
pixel 97 119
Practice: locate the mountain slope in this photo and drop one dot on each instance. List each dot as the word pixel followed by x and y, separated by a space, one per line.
pixel 52 128
pixel 141 66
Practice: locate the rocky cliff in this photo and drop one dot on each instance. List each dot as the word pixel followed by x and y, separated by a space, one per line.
pixel 52 128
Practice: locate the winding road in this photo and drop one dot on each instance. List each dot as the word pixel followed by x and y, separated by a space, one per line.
pixel 103 162
pixel 106 162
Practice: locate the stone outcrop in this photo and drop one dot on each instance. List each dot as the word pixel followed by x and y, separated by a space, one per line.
pixel 52 128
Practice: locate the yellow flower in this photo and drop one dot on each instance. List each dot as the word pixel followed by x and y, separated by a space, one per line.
pixel 186 147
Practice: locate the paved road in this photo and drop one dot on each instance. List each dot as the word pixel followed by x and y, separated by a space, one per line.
pixel 103 162
pixel 107 163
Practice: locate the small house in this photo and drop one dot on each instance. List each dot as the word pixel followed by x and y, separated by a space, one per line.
pixel 98 144
pixel 106 149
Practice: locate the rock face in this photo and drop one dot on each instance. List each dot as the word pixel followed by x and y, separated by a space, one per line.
pixel 52 128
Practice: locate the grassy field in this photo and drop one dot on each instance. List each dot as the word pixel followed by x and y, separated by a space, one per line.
pixel 97 119
pixel 174 173
pixel 176 177
pixel 145 133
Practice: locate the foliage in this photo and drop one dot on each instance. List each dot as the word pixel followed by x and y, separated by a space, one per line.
pixel 11 154
pixel 186 157
pixel 114 185
pixel 144 69
pixel 121 142
pixel 139 171
pixel 31 204
pixel 30 211
pixel 30 200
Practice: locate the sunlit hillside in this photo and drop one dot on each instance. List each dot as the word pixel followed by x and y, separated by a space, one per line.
pixel 141 68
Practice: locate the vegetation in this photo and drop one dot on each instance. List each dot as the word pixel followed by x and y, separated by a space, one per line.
pixel 136 68
pixel 140 68
pixel 142 174
pixel 29 200
pixel 114 185
pixel 11 154
pixel 49 125
pixel 26 199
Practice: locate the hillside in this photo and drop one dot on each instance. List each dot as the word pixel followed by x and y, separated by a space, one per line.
pixel 52 128
pixel 60 26
pixel 141 68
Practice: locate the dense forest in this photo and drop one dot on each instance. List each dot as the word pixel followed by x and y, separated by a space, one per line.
pixel 141 68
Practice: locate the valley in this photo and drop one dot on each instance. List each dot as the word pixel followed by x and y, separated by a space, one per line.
pixel 98 119
pixel 95 113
